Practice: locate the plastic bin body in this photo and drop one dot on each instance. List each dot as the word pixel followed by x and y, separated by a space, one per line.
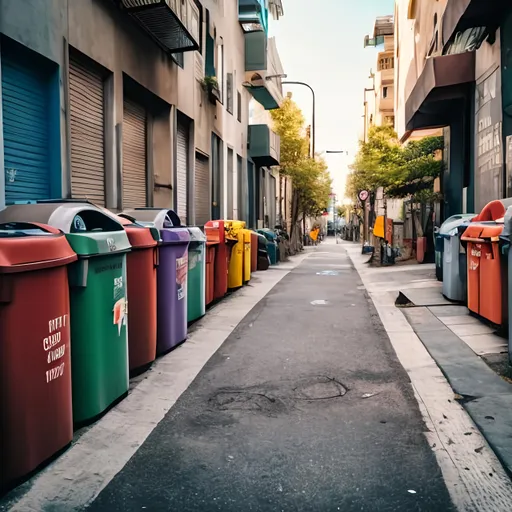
pixel 171 294
pixel 211 255
pixel 99 334
pixel 272 245
pixel 454 259
pixel 217 233
pixel 236 263
pixel 36 419
pixel 263 259
pixel 142 264
pixel 196 293
pixel 247 255
pixel 254 251
pixel 171 274
pixel 99 339
pixel 485 293
pixel 454 267
pixel 446 230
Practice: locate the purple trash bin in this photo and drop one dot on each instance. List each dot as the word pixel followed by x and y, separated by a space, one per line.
pixel 171 275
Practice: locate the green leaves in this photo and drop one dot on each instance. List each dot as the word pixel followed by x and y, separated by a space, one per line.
pixel 401 170
pixel 310 178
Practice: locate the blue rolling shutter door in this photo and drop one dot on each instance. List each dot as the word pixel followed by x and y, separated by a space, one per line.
pixel 26 116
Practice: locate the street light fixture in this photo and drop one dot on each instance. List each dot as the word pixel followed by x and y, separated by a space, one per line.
pixel 313 122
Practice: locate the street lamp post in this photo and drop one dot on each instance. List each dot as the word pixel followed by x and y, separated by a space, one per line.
pixel 313 122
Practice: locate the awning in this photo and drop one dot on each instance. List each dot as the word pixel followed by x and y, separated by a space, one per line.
pixel 443 79
pixel 460 15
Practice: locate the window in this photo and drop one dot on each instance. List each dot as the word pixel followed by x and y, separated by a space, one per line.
pixel 209 48
pixel 384 92
pixel 220 68
pixel 386 63
pixel 239 106
pixel 229 93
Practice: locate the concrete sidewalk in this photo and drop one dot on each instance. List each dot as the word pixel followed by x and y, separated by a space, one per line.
pixel 446 370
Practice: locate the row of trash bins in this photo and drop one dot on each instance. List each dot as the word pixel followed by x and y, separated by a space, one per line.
pixel 89 298
pixel 473 257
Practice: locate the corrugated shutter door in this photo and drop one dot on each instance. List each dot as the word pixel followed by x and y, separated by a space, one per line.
pixel 134 155
pixel 182 174
pixel 26 118
pixel 87 133
pixel 202 190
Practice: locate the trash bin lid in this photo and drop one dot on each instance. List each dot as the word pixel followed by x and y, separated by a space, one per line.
pixel 262 240
pixel 32 246
pixel 494 210
pixel 140 237
pixel 233 227
pixel 88 229
pixel 268 234
pixel 161 218
pixel 196 235
pixel 166 221
pixel 450 225
pixel 482 232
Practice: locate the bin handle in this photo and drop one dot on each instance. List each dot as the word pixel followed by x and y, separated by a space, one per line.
pixel 156 257
pixel 470 239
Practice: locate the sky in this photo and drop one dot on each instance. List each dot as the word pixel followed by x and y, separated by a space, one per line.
pixel 321 42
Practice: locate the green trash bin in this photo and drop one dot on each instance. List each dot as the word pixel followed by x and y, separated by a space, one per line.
pixel 99 338
pixel 196 292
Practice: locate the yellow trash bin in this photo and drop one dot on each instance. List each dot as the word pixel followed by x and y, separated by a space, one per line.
pixel 236 265
pixel 247 255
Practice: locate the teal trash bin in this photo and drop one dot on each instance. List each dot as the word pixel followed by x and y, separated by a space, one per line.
pixel 272 244
pixel 196 292
pixel 98 300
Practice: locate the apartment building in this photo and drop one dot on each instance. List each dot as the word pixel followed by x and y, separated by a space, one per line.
pixel 379 103
pixel 134 102
pixel 456 76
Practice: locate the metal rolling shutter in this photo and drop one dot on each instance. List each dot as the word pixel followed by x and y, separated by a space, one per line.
pixel 134 155
pixel 26 130
pixel 182 174
pixel 87 132
pixel 202 190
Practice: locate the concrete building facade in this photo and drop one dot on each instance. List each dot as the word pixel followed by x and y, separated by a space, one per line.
pixel 98 102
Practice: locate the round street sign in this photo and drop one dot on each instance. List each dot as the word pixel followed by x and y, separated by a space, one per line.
pixel 363 195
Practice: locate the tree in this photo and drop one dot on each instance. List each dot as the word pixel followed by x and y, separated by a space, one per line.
pixel 310 178
pixel 401 170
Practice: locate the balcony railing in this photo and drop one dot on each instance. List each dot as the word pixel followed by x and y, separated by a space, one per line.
pixel 174 24
pixel 262 61
pixel 253 15
pixel 264 145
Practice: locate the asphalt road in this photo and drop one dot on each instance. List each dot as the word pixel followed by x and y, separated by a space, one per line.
pixel 305 407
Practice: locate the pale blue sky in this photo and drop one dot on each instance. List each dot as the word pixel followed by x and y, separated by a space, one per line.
pixel 321 42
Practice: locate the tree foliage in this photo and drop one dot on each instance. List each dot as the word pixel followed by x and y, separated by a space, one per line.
pixel 401 170
pixel 310 178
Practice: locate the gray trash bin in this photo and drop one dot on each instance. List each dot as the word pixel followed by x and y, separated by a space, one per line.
pixel 454 258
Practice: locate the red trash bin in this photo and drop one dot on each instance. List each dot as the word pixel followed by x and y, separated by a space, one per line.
pixel 215 231
pixel 36 418
pixel 254 252
pixel 211 252
pixel 142 262
pixel 485 293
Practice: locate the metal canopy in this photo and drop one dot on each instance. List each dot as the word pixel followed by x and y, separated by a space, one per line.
pixel 443 79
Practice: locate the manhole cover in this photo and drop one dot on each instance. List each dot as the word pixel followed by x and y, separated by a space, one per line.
pixel 320 388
